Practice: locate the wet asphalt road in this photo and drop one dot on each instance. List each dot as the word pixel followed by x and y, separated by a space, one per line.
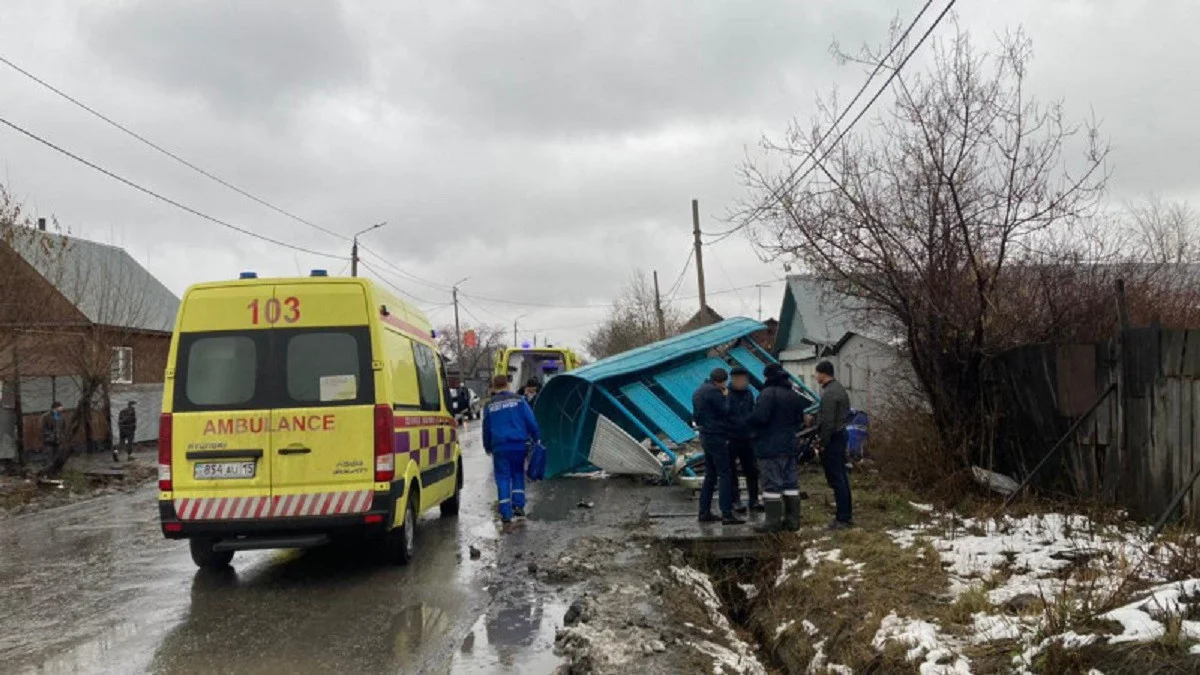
pixel 94 588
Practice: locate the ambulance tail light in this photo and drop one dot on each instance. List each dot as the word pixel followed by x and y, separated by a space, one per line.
pixel 165 428
pixel 385 460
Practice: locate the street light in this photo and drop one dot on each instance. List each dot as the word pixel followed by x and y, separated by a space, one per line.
pixel 515 329
pixel 354 248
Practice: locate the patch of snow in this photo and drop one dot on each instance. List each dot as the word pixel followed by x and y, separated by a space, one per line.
pixel 750 590
pixel 1069 640
pixel 923 508
pixel 739 655
pixel 782 628
pixel 785 569
pixel 991 628
pixel 809 627
pixel 925 642
pixel 728 662
pixel 593 475
pixel 1141 620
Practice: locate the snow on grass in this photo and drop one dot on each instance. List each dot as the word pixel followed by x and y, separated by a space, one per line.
pixel 739 656
pixel 820 662
pixel 1143 620
pixel 992 628
pixel 926 644
pixel 750 590
pixel 923 508
pixel 809 627
pixel 782 628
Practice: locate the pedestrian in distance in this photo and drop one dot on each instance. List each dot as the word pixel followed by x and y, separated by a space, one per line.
pixel 54 429
pixel 778 416
pixel 126 430
pixel 711 413
pixel 509 432
pixel 832 436
pixel 741 446
pixel 533 387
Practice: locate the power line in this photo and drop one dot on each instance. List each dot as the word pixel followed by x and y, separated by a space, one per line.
pixel 168 153
pixel 518 303
pixel 788 182
pixel 160 197
pixel 407 275
pixel 394 287
pixel 679 280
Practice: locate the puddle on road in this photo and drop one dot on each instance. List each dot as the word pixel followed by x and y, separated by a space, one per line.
pixel 517 637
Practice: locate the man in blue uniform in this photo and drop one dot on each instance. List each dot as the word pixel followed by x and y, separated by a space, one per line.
pixel 509 431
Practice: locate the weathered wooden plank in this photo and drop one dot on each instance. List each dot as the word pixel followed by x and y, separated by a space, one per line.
pixel 1194 385
pixel 1185 438
pixel 1191 354
pixel 1161 484
pixel 1172 356
pixel 1169 417
pixel 1075 367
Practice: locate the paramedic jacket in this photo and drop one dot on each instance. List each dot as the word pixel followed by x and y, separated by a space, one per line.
pixel 508 423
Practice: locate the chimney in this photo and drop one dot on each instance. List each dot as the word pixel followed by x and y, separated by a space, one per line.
pixel 42 224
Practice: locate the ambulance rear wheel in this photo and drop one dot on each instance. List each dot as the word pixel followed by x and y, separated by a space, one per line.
pixel 205 557
pixel 399 545
pixel 450 506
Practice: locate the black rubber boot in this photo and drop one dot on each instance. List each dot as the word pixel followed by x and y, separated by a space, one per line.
pixel 774 520
pixel 791 513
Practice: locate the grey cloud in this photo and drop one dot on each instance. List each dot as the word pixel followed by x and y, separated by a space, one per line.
pixel 241 57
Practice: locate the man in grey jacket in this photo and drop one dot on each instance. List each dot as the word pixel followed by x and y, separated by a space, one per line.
pixel 831 434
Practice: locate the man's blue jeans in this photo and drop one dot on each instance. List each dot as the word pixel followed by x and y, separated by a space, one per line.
pixel 718 474
pixel 834 460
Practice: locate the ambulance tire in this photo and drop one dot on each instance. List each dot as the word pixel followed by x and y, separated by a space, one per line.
pixel 206 558
pixel 450 506
pixel 399 545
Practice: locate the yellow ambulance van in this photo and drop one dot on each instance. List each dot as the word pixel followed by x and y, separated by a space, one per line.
pixel 301 410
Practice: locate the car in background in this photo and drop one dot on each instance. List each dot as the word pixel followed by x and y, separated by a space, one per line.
pixel 476 405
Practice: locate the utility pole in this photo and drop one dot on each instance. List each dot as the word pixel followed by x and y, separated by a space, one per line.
pixel 760 287
pixel 658 311
pixel 354 247
pixel 458 352
pixel 18 413
pixel 515 330
pixel 699 261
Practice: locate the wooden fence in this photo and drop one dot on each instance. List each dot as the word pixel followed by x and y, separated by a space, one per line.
pixel 1137 449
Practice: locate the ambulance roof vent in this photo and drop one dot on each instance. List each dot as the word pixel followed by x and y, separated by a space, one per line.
pixel 248 275
pixel 319 273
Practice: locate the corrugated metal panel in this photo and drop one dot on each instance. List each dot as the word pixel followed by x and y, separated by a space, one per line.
pixel 683 381
pixel 617 452
pixel 746 359
pixel 659 413
pixel 149 406
pixel 666 350
pixel 104 282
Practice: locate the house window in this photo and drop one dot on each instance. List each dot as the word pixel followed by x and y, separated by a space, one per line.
pixel 122 365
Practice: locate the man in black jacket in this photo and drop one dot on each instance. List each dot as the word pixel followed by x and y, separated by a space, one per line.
pixel 710 410
pixel 831 433
pixel 778 417
pixel 741 447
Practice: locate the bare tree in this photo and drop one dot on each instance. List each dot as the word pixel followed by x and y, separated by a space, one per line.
pixel 632 321
pixel 923 211
pixel 487 340
pixel 1166 232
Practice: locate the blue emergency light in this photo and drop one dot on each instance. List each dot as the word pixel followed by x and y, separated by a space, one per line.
pixel 525 345
pixel 248 275
pixel 318 273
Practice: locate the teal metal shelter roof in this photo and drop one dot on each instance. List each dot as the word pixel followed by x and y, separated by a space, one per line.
pixel 646 391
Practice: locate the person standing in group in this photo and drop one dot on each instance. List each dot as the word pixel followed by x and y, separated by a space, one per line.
pixel 711 414
pixel 54 430
pixel 741 447
pixel 509 431
pixel 533 387
pixel 832 436
pixel 778 416
pixel 126 430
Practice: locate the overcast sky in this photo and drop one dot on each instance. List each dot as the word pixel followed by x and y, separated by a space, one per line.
pixel 545 149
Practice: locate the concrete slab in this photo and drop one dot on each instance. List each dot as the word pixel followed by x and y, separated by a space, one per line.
pixel 673 518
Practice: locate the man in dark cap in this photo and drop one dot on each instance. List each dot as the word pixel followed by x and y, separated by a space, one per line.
pixel 741 447
pixel 831 434
pixel 778 416
pixel 711 414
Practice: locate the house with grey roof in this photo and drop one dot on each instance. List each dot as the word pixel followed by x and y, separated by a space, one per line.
pixel 74 311
pixel 817 323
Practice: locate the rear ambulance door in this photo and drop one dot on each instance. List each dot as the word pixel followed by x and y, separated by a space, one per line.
pixel 322 428
pixel 221 408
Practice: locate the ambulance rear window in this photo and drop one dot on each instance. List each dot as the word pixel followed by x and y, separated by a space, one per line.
pixel 323 367
pixel 221 371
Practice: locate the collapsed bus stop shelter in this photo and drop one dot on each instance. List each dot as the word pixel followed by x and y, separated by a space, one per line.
pixel 631 412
